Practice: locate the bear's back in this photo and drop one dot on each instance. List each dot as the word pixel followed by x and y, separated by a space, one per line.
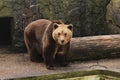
pixel 38 25
pixel 37 28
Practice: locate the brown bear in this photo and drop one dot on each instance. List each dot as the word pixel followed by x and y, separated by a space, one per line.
pixel 49 40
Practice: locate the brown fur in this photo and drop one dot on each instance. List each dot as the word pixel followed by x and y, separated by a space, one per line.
pixel 39 42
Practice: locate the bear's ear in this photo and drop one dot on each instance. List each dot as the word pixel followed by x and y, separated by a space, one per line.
pixel 70 26
pixel 55 25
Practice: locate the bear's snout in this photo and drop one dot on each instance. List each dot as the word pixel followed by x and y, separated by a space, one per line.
pixel 62 38
pixel 62 41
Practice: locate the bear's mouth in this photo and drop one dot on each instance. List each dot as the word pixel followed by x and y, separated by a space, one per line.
pixel 62 43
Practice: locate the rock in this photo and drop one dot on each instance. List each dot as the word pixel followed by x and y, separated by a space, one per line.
pixel 113 16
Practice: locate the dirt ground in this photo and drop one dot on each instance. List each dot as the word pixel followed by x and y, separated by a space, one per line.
pixel 16 65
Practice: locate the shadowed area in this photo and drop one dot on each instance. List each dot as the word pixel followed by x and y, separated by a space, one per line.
pixel 5 30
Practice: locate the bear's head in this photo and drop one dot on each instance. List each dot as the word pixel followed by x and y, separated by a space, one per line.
pixel 62 33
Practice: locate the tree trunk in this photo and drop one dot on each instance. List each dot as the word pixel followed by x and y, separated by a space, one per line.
pixel 95 47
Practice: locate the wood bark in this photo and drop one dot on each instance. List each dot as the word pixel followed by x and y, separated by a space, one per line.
pixel 95 47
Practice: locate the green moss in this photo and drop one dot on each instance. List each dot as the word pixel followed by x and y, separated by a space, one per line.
pixel 5 8
pixel 93 77
pixel 73 74
pixel 6 12
pixel 46 8
pixel 53 9
pixel 1 4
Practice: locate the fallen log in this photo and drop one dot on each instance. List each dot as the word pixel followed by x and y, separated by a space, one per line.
pixel 95 47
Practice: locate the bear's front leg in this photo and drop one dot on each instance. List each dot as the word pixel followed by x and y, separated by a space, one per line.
pixel 48 58
pixel 63 57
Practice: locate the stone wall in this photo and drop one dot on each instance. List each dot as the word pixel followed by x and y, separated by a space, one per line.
pixel 89 17
pixel 24 12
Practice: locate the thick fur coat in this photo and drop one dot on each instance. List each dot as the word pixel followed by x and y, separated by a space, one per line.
pixel 41 42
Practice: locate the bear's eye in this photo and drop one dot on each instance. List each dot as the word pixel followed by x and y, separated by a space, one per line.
pixel 65 34
pixel 58 34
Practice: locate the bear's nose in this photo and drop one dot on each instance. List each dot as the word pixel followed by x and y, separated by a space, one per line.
pixel 62 41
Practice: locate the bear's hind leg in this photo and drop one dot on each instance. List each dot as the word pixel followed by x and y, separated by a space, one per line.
pixel 48 58
pixel 35 56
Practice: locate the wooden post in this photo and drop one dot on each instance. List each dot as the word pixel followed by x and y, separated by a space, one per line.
pixel 95 47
